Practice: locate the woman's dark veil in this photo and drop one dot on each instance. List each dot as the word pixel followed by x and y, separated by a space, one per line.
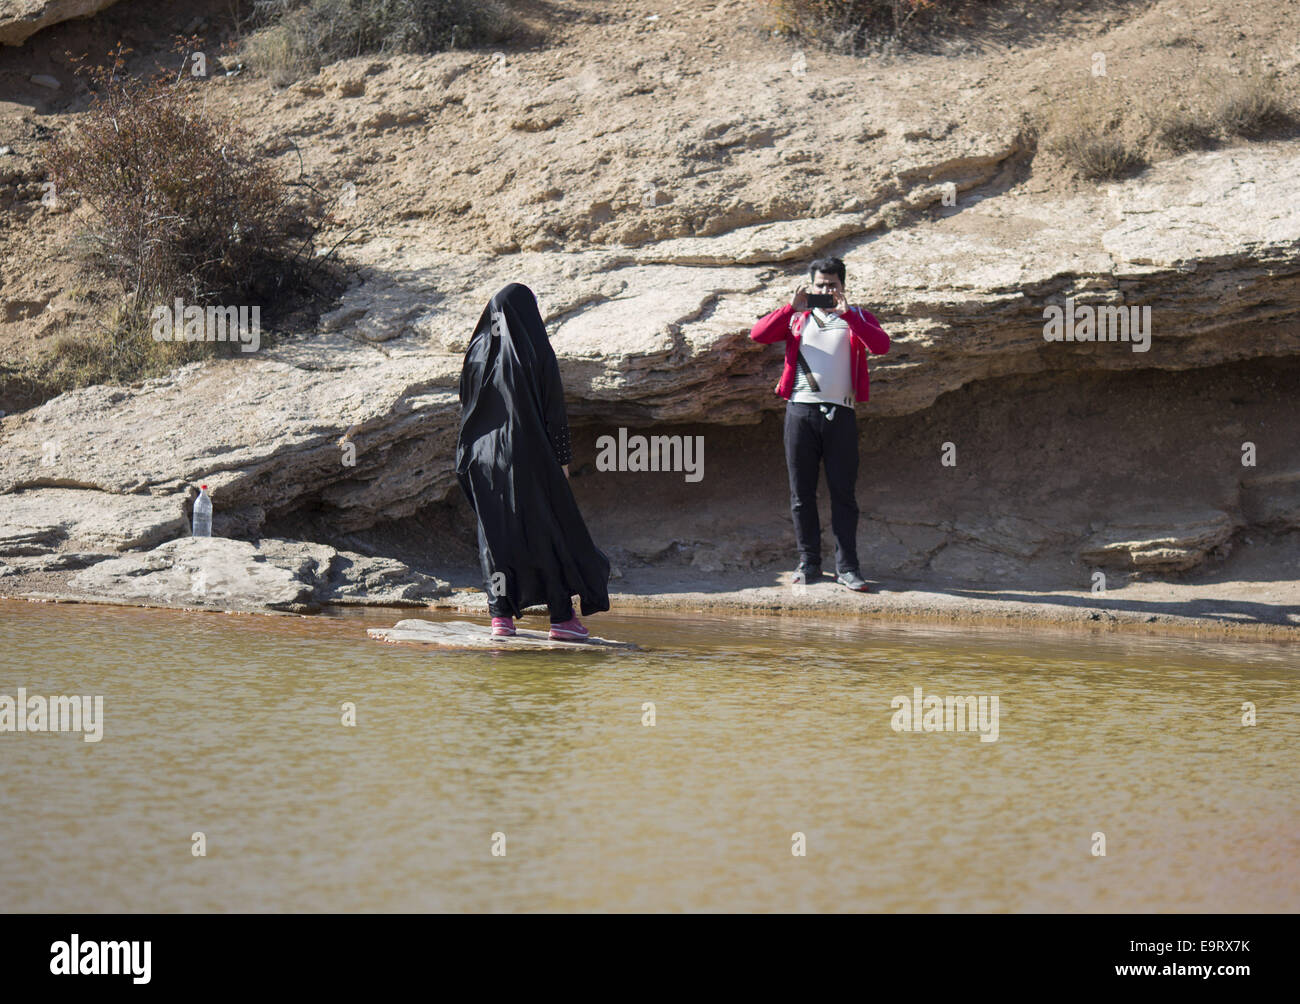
pixel 533 544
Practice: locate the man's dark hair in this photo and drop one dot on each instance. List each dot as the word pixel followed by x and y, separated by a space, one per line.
pixel 829 266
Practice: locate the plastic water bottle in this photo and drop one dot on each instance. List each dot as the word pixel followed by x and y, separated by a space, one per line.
pixel 203 513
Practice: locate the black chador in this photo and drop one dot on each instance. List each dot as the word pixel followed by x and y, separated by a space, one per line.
pixel 514 439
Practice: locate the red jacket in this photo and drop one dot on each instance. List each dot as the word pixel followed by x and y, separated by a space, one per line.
pixel 865 333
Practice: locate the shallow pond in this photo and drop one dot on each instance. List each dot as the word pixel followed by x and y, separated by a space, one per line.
pixel 764 728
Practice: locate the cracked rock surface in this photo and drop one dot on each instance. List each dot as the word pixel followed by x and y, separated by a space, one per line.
pixel 218 573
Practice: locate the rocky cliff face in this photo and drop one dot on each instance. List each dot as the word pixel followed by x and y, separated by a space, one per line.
pixel 20 19
pixel 991 452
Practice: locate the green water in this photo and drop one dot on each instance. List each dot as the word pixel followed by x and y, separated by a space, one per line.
pixel 764 727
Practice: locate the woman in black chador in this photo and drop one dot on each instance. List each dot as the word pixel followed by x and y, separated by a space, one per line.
pixel 512 459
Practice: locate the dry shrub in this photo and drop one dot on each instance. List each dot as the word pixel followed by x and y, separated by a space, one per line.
pixel 1091 131
pixel 852 25
pixel 300 36
pixel 1250 106
pixel 1196 107
pixel 182 207
pixel 1181 130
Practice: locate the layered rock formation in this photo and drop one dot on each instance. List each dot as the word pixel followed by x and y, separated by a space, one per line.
pixel 655 234
pixel 358 424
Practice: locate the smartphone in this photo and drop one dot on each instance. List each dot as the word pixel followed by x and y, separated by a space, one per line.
pixel 822 300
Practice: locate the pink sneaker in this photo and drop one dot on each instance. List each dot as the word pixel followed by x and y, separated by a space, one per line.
pixel 503 627
pixel 570 630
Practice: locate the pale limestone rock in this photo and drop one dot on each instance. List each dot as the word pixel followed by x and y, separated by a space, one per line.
pixel 219 573
pixel 44 520
pixel 1160 542
pixel 464 635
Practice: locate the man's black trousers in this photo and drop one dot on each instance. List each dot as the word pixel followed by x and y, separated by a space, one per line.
pixel 815 434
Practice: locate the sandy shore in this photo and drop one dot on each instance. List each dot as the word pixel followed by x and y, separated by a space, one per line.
pixel 1249 610
pixel 1246 610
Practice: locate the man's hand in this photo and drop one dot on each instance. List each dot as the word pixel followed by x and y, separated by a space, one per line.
pixel 800 299
pixel 566 471
pixel 841 302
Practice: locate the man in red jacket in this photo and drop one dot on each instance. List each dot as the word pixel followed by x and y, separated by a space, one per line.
pixel 825 373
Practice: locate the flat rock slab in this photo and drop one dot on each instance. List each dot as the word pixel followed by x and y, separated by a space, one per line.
pixel 467 636
pixel 226 574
